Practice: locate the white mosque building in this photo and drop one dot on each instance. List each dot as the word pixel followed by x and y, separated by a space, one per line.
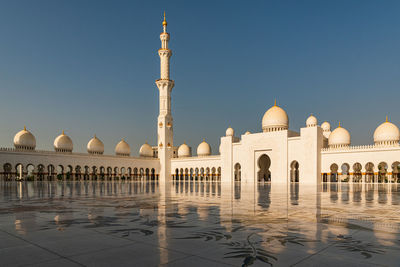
pixel 276 154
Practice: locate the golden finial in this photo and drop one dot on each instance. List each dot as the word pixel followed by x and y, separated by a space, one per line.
pixel 62 132
pixel 339 125
pixel 387 119
pixel 204 139
pixel 95 136
pixel 24 127
pixel 164 23
pixel 275 103
pixel 184 142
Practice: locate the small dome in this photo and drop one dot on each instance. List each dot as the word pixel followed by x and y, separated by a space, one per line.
pixel 326 126
pixel 340 137
pixel 24 139
pixel 326 129
pixel 247 133
pixel 311 121
pixel 275 119
pixel 146 150
pixel 387 134
pixel 122 148
pixel 203 149
pixel 230 132
pixel 184 151
pixel 95 146
pixel 63 143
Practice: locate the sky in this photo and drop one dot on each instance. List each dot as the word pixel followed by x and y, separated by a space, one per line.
pixel 89 67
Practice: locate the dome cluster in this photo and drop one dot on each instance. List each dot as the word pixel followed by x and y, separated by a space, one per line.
pixel 146 150
pixel 184 151
pixel 63 143
pixel 275 119
pixel 95 146
pixel 339 138
pixel 25 140
pixel 204 149
pixel 326 129
pixel 386 134
pixel 122 148
pixel 311 121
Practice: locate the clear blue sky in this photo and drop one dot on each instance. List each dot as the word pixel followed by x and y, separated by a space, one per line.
pixel 89 67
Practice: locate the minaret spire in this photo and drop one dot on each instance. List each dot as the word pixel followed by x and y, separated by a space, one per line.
pixel 164 124
pixel 164 23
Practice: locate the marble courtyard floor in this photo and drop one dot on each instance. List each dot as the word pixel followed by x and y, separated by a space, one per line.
pixel 193 223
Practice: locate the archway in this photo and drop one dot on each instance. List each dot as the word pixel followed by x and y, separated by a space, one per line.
pixel 123 173
pixel 19 170
pixel 396 172
pixel 382 174
pixel 176 174
pixel 30 175
pixel 40 170
pixel 264 174
pixel 357 175
pixel 334 168
pixel 50 172
pixel 294 172
pixel 345 176
pixel 369 173
pixel 238 172
pixel 69 173
pixel 78 172
pixel 7 170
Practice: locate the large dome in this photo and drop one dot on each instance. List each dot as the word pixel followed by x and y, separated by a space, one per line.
pixel 275 119
pixel 230 132
pixel 184 151
pixel 122 148
pixel 386 134
pixel 203 149
pixel 24 139
pixel 311 121
pixel 63 143
pixel 340 137
pixel 146 150
pixel 95 146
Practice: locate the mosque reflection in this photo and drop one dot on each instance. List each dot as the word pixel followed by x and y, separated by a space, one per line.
pixel 260 218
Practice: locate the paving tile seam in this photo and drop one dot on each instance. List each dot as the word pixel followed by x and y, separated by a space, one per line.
pixel 99 250
pixel 316 253
pixel 48 250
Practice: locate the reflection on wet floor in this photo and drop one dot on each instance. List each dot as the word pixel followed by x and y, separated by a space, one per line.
pixel 94 223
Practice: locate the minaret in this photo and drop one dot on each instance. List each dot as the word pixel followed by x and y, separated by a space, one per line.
pixel 164 125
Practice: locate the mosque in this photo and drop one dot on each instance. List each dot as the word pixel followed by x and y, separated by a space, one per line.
pixel 276 154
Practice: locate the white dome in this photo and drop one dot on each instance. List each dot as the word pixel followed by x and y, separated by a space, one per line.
pixel 24 140
pixel 230 132
pixel 326 126
pixel 311 121
pixel 275 119
pixel 95 146
pixel 247 133
pixel 386 134
pixel 184 151
pixel 203 149
pixel 122 148
pixel 146 150
pixel 340 137
pixel 63 143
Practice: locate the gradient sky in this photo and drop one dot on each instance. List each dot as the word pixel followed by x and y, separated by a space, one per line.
pixel 89 67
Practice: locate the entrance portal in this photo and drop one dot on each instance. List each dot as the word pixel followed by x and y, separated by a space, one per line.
pixel 264 174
